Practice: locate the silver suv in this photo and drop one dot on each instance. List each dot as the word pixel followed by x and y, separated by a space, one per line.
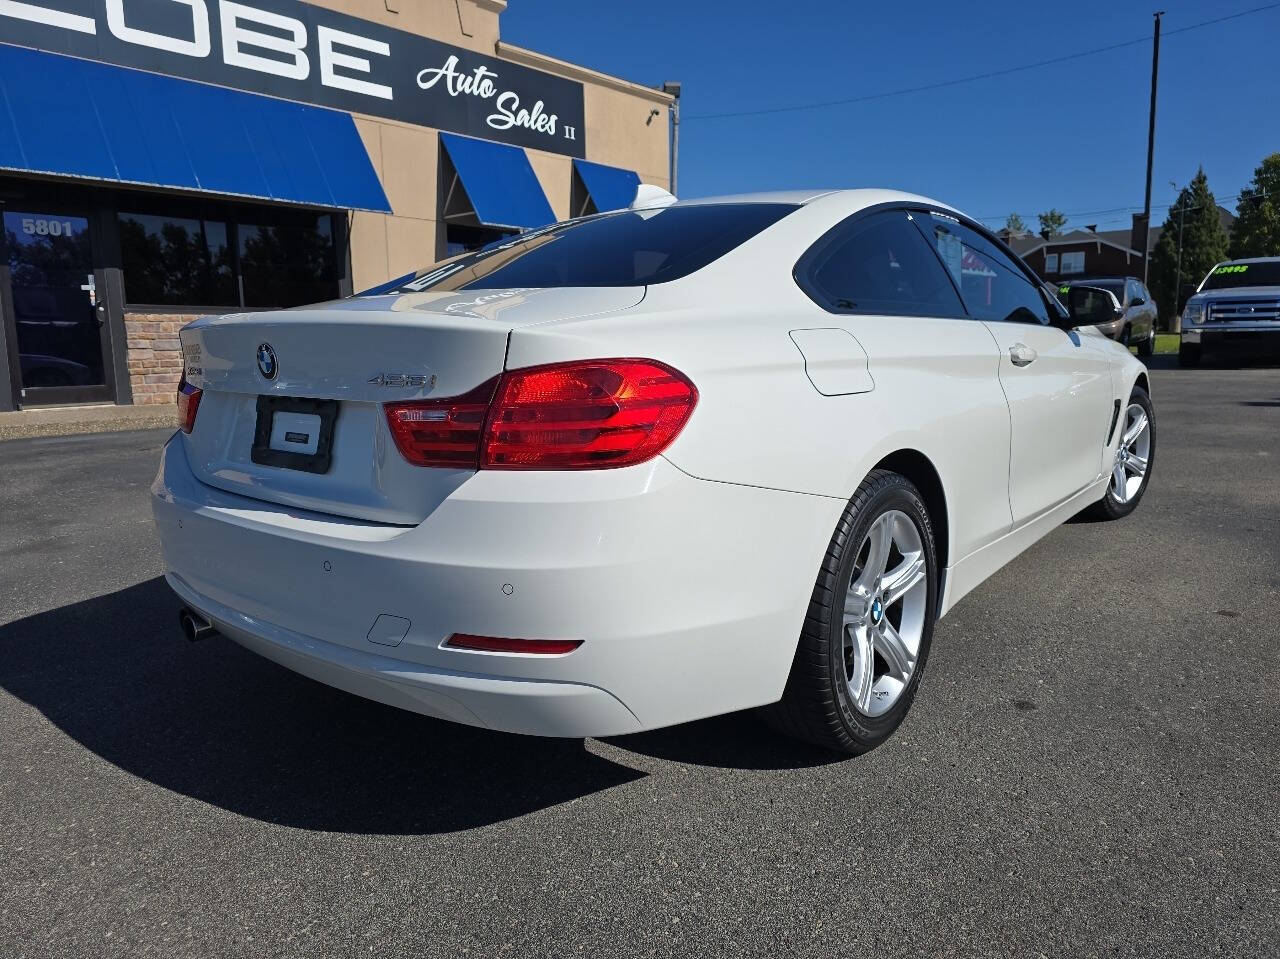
pixel 1136 326
pixel 1237 307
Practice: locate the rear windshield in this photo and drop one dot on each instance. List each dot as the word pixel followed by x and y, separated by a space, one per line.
pixel 630 248
pixel 1232 275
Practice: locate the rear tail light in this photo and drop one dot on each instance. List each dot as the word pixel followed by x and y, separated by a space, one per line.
pixel 444 432
pixel 586 414
pixel 495 644
pixel 188 405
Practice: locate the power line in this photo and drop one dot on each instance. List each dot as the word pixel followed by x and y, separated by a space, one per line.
pixel 823 104
pixel 1236 198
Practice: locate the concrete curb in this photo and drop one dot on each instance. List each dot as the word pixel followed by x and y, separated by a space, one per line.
pixel 73 421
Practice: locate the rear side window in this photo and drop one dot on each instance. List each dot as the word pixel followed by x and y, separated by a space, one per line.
pixel 631 248
pixel 993 286
pixel 878 264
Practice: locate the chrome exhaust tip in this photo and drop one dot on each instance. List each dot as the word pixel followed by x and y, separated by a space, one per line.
pixel 194 626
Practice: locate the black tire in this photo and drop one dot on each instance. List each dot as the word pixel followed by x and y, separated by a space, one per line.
pixel 1148 346
pixel 817 704
pixel 1110 507
pixel 1189 354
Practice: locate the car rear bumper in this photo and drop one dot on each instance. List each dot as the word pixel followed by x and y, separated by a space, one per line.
pixel 688 595
pixel 541 708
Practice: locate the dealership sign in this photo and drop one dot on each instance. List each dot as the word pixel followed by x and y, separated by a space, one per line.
pixel 290 49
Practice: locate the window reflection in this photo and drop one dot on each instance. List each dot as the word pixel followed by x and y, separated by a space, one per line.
pixel 176 260
pixel 288 262
pixel 247 256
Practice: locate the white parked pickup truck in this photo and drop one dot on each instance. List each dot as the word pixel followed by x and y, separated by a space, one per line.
pixel 1236 308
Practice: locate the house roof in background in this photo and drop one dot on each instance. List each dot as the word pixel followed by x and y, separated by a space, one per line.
pixel 1118 238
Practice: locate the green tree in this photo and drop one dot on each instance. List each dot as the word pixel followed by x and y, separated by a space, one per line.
pixel 1015 226
pixel 1195 218
pixel 1257 231
pixel 1051 223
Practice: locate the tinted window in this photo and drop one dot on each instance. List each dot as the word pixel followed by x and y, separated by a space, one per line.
pixel 176 260
pixel 1231 275
pixel 879 264
pixel 633 248
pixel 288 258
pixel 226 255
pixel 993 286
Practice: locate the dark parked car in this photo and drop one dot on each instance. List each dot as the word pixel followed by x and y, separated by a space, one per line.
pixel 1137 327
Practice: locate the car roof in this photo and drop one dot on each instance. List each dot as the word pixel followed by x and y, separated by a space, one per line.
pixel 796 197
pixel 854 199
pixel 1253 259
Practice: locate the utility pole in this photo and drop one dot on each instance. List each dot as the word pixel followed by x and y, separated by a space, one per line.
pixel 674 90
pixel 1177 282
pixel 1151 150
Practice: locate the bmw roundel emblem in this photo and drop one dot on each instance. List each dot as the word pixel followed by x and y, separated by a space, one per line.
pixel 877 611
pixel 267 365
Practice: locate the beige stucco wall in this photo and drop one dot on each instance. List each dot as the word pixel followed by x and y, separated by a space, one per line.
pixel 620 131
pixel 471 24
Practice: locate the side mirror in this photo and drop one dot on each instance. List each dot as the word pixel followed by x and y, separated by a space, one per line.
pixel 1138 301
pixel 1092 306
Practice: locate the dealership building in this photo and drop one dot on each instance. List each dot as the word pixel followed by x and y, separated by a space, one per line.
pixel 163 159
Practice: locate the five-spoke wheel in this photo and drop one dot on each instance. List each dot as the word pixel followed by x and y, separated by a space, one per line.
pixel 1134 456
pixel 884 613
pixel 866 637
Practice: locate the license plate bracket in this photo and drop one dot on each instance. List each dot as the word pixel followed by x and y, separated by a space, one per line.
pixel 317 462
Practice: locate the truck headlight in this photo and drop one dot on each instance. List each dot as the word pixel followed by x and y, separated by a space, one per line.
pixel 1193 313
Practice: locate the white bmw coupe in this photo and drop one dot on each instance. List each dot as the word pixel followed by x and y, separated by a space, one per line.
pixel 648 466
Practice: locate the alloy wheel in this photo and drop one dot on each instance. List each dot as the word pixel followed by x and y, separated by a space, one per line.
pixel 884 613
pixel 1133 455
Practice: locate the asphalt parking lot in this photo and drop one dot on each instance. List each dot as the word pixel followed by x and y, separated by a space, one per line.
pixel 1092 766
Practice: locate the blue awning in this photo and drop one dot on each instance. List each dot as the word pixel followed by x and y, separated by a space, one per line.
pixel 609 187
pixel 500 183
pixel 69 117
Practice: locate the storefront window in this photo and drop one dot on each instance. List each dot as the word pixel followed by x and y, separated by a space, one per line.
pixel 288 260
pixel 176 260
pixel 222 255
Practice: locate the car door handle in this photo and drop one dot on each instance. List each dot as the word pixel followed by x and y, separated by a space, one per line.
pixel 1022 355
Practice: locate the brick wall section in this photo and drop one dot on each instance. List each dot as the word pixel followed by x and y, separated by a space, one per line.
pixel 155 355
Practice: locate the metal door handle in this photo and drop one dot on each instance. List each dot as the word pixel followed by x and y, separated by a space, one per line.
pixel 1022 355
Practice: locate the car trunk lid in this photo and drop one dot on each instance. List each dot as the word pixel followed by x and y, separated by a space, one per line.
pixel 310 383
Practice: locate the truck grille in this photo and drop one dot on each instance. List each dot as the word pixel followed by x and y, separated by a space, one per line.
pixel 1243 311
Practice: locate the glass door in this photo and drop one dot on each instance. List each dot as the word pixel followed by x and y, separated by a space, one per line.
pixel 58 321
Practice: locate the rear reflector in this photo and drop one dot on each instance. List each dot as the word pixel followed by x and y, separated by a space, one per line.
pixel 188 406
pixel 586 414
pixel 494 644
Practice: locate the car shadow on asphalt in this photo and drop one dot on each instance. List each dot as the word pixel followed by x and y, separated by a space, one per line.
pixel 735 741
pixel 217 723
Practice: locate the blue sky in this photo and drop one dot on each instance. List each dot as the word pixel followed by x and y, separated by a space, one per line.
pixel 1071 135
